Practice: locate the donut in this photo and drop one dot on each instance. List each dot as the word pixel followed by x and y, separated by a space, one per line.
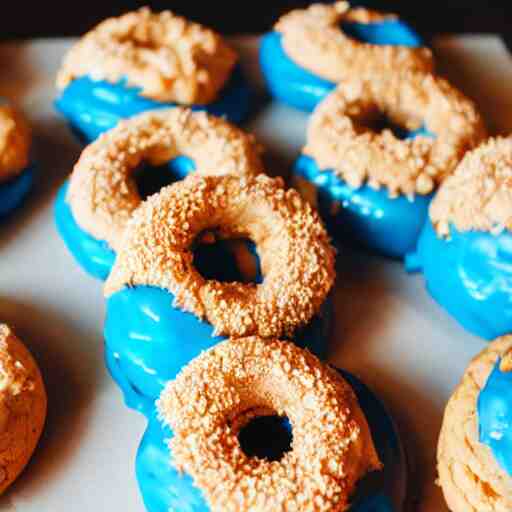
pixel 465 247
pixel 474 455
pixel 311 50
pixel 22 406
pixel 144 60
pixel 212 464
pixel 377 148
pixel 106 185
pixel 16 174
pixel 162 312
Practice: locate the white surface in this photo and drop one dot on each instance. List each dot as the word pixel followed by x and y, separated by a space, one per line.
pixel 388 331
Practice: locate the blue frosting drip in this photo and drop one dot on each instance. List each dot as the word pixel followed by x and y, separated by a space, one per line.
pixel 93 107
pixel 14 191
pixel 95 256
pixel 164 489
pixel 368 216
pixel 470 275
pixel 147 341
pixel 302 89
pixel 494 408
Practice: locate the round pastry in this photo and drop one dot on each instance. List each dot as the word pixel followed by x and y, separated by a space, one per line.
pixel 142 61
pixel 377 148
pixel 22 406
pixel 465 248
pixel 15 172
pixel 162 311
pixel 474 455
pixel 110 179
pixel 313 49
pixel 271 425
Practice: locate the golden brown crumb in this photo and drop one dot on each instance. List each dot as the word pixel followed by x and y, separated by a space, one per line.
pixel 296 257
pixel 168 57
pixel 15 140
pixel 470 476
pixel 340 136
pixel 478 196
pixel 313 39
pixel 331 449
pixel 22 406
pixel 102 193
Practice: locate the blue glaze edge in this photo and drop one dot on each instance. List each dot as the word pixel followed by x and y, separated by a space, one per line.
pixel 365 215
pixel 93 107
pixel 163 488
pixel 302 89
pixel 494 407
pixel 15 190
pixel 470 275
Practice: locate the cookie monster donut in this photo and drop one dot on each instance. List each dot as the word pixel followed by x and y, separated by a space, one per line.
pixel 377 148
pixel 110 178
pixel 474 456
pixel 22 406
pixel 142 61
pixel 313 49
pixel 465 248
pixel 161 309
pixel 15 171
pixel 262 425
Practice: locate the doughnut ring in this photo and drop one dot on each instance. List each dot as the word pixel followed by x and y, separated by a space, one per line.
pixel 474 456
pixel 313 49
pixel 162 312
pixel 465 247
pixel 15 173
pixel 22 406
pixel 374 182
pixel 144 60
pixel 94 206
pixel 222 390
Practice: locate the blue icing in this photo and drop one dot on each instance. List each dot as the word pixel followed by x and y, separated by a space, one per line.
pixel 93 107
pixel 147 341
pixel 470 275
pixel 366 215
pixel 95 256
pixel 302 89
pixel 14 191
pixel 164 489
pixel 494 408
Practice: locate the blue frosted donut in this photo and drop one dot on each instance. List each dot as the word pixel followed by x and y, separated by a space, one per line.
pixel 113 174
pixel 311 50
pixel 16 173
pixel 165 488
pixel 164 306
pixel 465 247
pixel 474 456
pixel 371 169
pixel 112 74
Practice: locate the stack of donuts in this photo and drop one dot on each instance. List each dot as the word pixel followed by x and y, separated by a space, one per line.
pixel 218 277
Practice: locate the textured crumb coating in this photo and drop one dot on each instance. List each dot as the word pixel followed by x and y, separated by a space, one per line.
pixel 341 136
pixel 22 406
pixel 102 191
pixel 469 474
pixel 313 39
pixel 168 57
pixel 478 196
pixel 15 141
pixel 296 257
pixel 239 379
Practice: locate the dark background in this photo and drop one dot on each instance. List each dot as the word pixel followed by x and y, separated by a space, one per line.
pixel 22 19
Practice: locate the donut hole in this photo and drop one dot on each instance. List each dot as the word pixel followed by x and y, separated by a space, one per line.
pixel 266 437
pixel 226 260
pixel 150 179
